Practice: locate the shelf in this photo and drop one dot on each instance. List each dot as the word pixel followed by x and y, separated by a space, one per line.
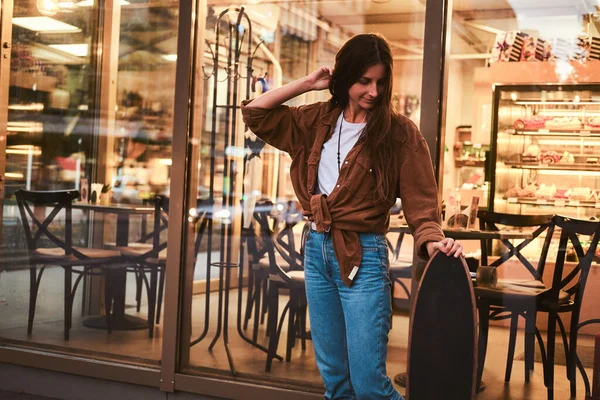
pixel 553 202
pixel 553 102
pixel 581 132
pixel 555 167
pixel 469 163
pixel 27 80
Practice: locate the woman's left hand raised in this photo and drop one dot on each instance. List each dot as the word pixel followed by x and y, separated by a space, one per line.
pixel 447 246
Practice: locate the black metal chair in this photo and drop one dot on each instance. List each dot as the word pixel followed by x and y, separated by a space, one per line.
pixel 566 294
pixel 511 300
pixel 259 265
pixel 152 258
pixel 46 248
pixel 280 279
pixel 399 270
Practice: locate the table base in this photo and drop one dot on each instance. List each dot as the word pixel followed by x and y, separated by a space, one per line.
pixel 124 323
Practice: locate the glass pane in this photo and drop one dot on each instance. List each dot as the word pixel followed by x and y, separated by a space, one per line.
pixel 101 127
pixel 521 135
pixel 237 173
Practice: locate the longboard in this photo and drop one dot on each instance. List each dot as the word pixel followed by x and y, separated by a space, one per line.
pixel 442 351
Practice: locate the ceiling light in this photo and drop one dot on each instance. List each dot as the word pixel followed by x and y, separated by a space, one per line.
pixel 28 127
pixel 27 107
pixel 77 49
pixel 24 150
pixel 48 7
pixel 44 24
pixel 169 57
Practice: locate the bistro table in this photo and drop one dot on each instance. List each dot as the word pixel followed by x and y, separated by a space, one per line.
pixel 398 226
pixel 117 276
pixel 467 234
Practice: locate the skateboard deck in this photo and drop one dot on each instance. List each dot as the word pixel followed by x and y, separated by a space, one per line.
pixel 443 340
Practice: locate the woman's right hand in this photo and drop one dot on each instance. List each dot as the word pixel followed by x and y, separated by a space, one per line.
pixel 319 79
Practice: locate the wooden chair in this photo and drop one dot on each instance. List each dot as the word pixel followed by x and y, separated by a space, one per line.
pixel 503 302
pixel 46 248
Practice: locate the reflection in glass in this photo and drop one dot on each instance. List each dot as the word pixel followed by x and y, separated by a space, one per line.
pixel 72 126
pixel 519 88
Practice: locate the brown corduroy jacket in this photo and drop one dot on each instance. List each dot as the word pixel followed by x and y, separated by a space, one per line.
pixel 352 206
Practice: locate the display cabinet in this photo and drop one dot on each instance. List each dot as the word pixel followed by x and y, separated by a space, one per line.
pixel 545 154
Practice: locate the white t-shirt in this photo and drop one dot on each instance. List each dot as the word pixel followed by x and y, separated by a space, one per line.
pixel 328 166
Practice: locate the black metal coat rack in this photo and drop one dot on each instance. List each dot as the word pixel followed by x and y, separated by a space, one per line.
pixel 233 43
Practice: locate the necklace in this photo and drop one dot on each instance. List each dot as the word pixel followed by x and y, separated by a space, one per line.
pixel 339 141
pixel 339 158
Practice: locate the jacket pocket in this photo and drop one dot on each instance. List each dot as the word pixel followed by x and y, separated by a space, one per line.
pixel 361 179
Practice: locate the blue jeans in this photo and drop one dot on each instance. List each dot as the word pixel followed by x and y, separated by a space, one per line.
pixel 350 326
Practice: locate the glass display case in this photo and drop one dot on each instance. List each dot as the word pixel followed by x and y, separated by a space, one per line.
pixel 546 150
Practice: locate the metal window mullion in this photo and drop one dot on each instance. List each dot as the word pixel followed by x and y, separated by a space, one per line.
pixel 6 13
pixel 434 86
pixel 176 247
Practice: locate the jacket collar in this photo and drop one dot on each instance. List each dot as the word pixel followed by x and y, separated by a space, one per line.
pixel 331 115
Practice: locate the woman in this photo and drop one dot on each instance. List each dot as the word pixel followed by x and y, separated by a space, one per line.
pixel 351 158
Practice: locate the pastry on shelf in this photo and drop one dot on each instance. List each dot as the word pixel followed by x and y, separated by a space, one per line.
pixel 529 191
pixel 563 123
pixel 533 122
pixel 593 123
pixel 545 191
pixel 561 194
pixel 580 193
pixel 532 150
pixel 595 196
pixel 549 157
pixel 513 192
pixel 518 191
pixel 531 154
pixel 567 158
pixel 591 160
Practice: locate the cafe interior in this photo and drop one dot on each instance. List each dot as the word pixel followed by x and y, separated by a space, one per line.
pixel 144 227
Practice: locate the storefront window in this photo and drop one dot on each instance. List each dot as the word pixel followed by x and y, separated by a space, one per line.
pixel 520 136
pixel 247 185
pixel 100 128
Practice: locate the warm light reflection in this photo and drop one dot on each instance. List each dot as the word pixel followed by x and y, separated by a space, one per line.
pixel 48 7
pixel 169 57
pixel 27 127
pixel 568 173
pixel 27 107
pixel 24 150
pixel 44 24
pixel 76 49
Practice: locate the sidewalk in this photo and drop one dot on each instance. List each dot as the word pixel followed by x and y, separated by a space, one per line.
pixel 6 395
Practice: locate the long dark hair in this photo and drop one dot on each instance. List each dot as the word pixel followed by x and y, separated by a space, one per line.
pixel 351 62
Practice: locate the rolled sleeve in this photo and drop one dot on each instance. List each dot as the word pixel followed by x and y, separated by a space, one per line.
pixel 280 127
pixel 418 192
